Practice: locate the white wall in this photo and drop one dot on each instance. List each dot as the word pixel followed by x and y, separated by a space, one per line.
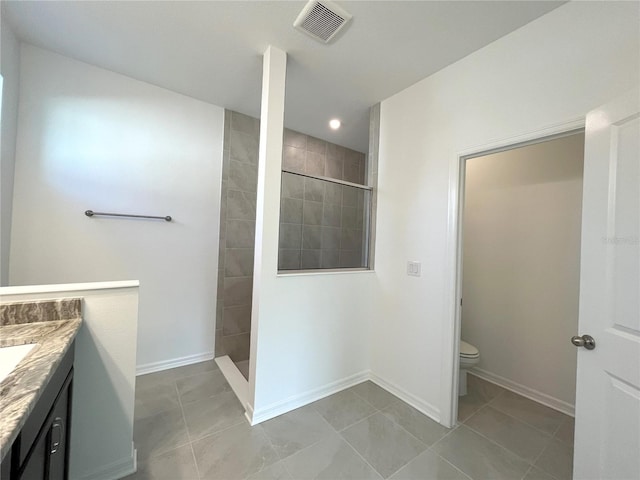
pixel 92 139
pixel 550 71
pixel 309 331
pixel 10 71
pixel 521 263
pixel 104 375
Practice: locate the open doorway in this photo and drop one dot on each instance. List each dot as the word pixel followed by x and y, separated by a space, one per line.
pixel 520 265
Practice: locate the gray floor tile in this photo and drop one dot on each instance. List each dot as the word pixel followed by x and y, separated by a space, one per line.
pixel 372 393
pixel 565 432
pixel 485 391
pixel 200 386
pixel 156 398
pixel 194 369
pixel 429 466
pixel 159 433
pixel 415 422
pixel 172 465
pixel 514 435
pixel 469 404
pixel 557 460
pixel 478 457
pixel 535 414
pixel 330 459
pixel 166 377
pixel 293 431
pixel 277 471
pixel 213 414
pixel 343 409
pixel 537 474
pixel 235 453
pixel 384 444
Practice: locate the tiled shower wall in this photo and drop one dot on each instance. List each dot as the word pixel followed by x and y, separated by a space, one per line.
pixel 321 222
pixel 237 235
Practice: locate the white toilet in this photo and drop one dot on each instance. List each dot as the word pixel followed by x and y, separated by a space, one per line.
pixel 469 356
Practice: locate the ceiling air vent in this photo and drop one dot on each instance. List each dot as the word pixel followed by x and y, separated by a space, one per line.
pixel 322 20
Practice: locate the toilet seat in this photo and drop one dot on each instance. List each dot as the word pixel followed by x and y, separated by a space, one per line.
pixel 468 351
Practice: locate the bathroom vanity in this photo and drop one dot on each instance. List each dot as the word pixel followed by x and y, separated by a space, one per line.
pixel 35 412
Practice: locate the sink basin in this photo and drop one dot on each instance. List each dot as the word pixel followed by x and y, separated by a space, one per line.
pixel 10 357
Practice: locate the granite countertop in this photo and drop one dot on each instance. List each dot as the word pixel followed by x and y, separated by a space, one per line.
pixel 22 388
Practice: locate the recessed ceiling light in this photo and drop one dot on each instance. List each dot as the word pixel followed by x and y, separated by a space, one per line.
pixel 335 123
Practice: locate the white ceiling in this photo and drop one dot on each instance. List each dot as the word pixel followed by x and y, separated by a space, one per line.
pixel 212 50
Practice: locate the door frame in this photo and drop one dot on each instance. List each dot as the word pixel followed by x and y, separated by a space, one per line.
pixel 452 325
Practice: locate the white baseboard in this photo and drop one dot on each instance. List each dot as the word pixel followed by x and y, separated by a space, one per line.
pixel 300 400
pixel 173 363
pixel 424 407
pixel 115 470
pixel 525 391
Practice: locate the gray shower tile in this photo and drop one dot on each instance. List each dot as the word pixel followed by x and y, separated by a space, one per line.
pixel 218 345
pixel 343 409
pixel 235 453
pixel 236 319
pixel 293 431
pixel 246 124
pixel 293 159
pixel 331 215
pixel 219 313
pixel 351 170
pixel 514 435
pixel 332 193
pixel 416 423
pixel 290 236
pixel 241 205
pixel 289 259
pixel 314 164
pixel 295 139
pixel 478 457
pixel 313 190
pixel 539 416
pixel 238 291
pixel 311 237
pixel 350 239
pixel 292 186
pixel 429 466
pixel 383 443
pixel 243 147
pixel 330 258
pixel 330 238
pixel 330 459
pixel 290 210
pixel 237 346
pixel 557 460
pixel 242 176
pixel 238 262
pixel 201 386
pixel 334 162
pixel 312 213
pixel 310 259
pixel 350 217
pixel 316 145
pixel 227 128
pixel 349 196
pixel 240 233
pixel 214 414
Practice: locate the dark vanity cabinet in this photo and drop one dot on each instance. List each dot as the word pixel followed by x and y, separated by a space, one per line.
pixel 41 450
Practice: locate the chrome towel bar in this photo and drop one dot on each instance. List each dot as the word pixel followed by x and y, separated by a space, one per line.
pixel 91 213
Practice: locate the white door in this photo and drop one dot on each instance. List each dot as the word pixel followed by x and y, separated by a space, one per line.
pixel 607 444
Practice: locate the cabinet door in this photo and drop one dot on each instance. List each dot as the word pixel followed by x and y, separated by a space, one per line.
pixel 58 435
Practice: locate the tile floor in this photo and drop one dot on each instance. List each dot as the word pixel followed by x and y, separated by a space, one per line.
pixel 189 425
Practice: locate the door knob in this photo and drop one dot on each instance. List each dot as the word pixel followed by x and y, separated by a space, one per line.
pixel 586 341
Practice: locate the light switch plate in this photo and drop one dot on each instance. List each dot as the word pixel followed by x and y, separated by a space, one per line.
pixel 414 269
